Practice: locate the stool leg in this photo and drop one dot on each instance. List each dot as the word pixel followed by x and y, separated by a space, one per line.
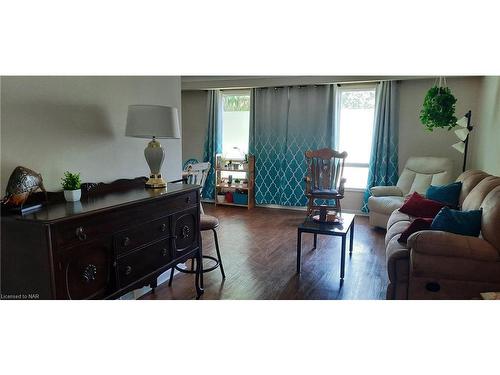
pixel 171 276
pixel 218 254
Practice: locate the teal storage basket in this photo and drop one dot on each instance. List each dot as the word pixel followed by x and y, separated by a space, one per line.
pixel 240 198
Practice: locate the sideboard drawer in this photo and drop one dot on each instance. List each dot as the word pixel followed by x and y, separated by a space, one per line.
pixel 83 231
pixel 180 202
pixel 140 235
pixel 142 262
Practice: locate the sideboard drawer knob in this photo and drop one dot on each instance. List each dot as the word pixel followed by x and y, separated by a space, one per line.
pixel 163 227
pixel 128 270
pixel 80 234
pixel 126 241
pixel 188 199
pixel 185 232
pixel 89 273
pixel 164 252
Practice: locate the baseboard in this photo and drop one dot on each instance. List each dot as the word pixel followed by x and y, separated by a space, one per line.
pixel 137 293
pixel 304 208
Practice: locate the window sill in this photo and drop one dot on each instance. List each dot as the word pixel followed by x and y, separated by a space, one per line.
pixel 354 190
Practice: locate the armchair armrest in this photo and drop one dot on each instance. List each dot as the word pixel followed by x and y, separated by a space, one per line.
pixel 384 191
pixel 446 244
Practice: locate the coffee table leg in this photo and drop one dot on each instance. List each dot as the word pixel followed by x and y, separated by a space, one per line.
pixel 352 238
pixel 315 240
pixel 299 244
pixel 342 261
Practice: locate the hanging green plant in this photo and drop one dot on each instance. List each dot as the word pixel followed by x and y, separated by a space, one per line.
pixel 439 109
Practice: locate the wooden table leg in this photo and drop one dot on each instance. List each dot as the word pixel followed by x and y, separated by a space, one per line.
pixel 299 245
pixel 315 240
pixel 342 261
pixel 352 238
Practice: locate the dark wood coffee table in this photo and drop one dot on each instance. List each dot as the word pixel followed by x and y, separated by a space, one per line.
pixel 340 230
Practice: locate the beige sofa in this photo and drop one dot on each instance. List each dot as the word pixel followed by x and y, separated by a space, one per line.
pixel 418 174
pixel 440 265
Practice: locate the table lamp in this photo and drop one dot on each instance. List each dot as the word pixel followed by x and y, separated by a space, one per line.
pixel 153 121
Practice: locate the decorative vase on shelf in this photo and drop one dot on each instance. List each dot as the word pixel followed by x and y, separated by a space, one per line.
pixel 72 195
pixel 221 198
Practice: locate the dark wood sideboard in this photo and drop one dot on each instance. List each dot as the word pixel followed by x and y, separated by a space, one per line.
pixel 119 237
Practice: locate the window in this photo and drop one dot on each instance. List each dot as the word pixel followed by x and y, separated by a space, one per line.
pixel 355 116
pixel 235 123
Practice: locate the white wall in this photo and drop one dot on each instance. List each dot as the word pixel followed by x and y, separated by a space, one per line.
pixel 53 124
pixel 485 137
pixel 194 124
pixel 414 139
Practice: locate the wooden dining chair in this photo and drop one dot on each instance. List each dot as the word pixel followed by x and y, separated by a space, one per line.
pixel 324 180
pixel 196 174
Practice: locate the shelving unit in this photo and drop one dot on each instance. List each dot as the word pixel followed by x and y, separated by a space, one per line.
pixel 238 169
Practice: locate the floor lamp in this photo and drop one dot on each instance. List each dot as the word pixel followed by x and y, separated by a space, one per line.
pixel 463 134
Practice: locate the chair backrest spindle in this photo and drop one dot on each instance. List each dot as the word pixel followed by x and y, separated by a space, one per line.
pixel 325 168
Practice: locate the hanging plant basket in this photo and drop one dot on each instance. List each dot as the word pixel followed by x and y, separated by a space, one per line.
pixel 439 109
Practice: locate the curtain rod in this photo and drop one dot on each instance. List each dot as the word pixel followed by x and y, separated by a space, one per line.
pixel 281 86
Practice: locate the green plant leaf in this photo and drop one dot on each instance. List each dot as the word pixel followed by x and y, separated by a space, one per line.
pixel 438 109
pixel 71 181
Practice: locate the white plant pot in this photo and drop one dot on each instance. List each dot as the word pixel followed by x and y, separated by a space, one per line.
pixel 72 195
pixel 221 198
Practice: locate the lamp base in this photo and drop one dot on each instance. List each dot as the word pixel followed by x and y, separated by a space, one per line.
pixel 155 181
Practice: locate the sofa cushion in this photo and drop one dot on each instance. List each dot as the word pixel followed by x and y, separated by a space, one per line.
pixel 398 216
pixel 447 194
pixel 477 195
pixel 395 230
pixel 469 180
pixel 420 172
pixel 385 205
pixel 467 223
pixel 490 226
pixel 397 257
pixel 419 206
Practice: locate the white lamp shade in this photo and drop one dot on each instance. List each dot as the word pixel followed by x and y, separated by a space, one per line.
pixel 462 134
pixel 147 121
pixel 462 122
pixel 459 146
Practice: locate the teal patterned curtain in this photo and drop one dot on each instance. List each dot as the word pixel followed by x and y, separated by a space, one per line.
pixel 268 123
pixel 213 142
pixel 383 169
pixel 286 122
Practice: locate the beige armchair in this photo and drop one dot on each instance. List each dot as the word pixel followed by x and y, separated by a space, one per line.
pixel 417 175
pixel 441 265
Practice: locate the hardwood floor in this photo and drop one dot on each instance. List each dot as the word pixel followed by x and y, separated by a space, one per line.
pixel 258 249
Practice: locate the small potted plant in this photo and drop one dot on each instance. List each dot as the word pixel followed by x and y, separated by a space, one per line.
pixel 237 181
pixel 71 185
